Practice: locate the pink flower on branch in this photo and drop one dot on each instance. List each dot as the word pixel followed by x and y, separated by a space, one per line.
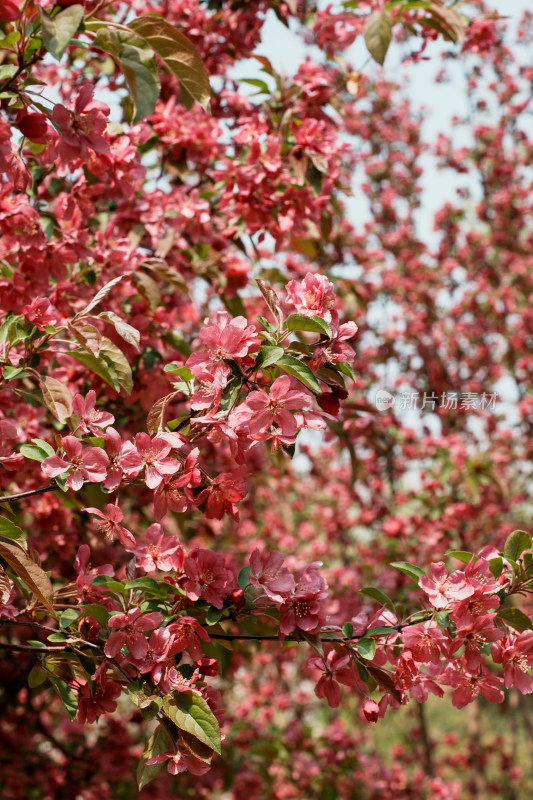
pixel 222 494
pixel 159 552
pixel 313 296
pixel 515 654
pixel 468 686
pixel 132 626
pixel 187 633
pixel 268 573
pixel 151 454
pixel 91 418
pixel 41 312
pixel 85 464
pixel 81 129
pixel 207 576
pixel 442 588
pixel 110 526
pixel 224 338
pixel 303 609
pixel 336 668
pixel 276 406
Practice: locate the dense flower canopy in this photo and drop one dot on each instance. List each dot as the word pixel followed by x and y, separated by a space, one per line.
pixel 259 487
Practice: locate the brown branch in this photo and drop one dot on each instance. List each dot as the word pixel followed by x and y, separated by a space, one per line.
pixel 8 498
pixel 32 648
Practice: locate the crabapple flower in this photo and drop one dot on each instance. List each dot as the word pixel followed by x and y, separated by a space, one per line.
pixel 181 761
pixel 303 608
pixel 441 588
pixel 175 492
pixel 98 699
pixel 152 454
pixel 187 633
pixel 336 669
pixel 225 337
pixel 468 686
pixel 157 651
pixel 222 494
pixel 85 464
pixel 276 407
pixel 158 551
pixel 41 312
pixel 515 654
pixel 81 128
pixel 207 576
pixel 132 626
pixel 426 642
pixel 314 296
pixel 371 711
pixel 91 418
pixel 109 524
pixel 268 573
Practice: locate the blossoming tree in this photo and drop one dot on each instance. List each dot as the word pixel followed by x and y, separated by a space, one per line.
pixel 181 288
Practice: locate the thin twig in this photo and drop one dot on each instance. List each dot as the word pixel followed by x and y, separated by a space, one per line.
pixel 8 498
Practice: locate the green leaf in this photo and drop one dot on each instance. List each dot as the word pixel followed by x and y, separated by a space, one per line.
pixel 150 586
pixel 377 34
pixel 190 713
pixel 37 677
pixel 182 372
pixel 411 570
pixel 59 30
pixel 69 616
pixel 378 596
pixel 10 530
pixel 178 53
pixel 7 71
pixel 346 368
pixel 347 630
pixel 496 566
pixel 120 363
pixel 516 543
pixel 137 61
pixel 299 370
pixel 160 742
pixel 314 324
pixel 380 630
pixel 32 451
pixel 66 694
pixel 268 355
pixel 366 648
pixel 99 366
pixel 460 555
pixel 213 615
pixel 97 611
pixel 515 618
pixel 243 579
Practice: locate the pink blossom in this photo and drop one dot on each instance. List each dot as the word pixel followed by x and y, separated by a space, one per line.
pixel 224 338
pixel 426 642
pixel 302 609
pixel 313 296
pixel 222 494
pixel 81 129
pixel 371 710
pixel 181 761
pixel 268 573
pixel 442 588
pixel 91 418
pixel 153 455
pixel 276 406
pixel 41 312
pixel 132 626
pixel 85 464
pixel 122 460
pixel 187 633
pixel 470 685
pixel 515 653
pixel 157 651
pixel 337 669
pixel 158 551
pixel 175 492
pixel 109 524
pixel 98 698
pixel 207 576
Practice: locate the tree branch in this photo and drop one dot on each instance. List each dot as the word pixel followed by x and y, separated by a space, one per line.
pixel 8 498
